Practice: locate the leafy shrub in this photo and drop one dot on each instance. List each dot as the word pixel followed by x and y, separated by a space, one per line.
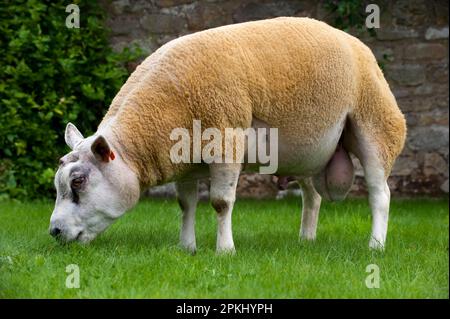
pixel 50 75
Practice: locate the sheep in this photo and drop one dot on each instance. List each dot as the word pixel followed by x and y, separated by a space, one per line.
pixel 320 87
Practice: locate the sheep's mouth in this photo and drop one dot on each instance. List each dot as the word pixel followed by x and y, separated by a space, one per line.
pixel 85 237
pixel 63 240
pixel 79 236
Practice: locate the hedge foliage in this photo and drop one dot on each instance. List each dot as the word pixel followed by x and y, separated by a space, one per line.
pixel 50 75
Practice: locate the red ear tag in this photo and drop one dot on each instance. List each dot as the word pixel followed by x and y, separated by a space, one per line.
pixel 111 155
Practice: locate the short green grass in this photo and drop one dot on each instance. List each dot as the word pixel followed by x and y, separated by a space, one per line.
pixel 138 257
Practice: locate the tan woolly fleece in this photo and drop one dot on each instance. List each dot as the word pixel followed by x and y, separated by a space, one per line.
pixel 297 74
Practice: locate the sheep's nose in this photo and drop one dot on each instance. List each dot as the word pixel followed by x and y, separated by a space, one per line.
pixel 55 231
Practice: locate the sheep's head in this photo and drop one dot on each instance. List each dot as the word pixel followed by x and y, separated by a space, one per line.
pixel 94 187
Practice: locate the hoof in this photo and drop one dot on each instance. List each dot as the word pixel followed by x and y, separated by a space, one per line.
pixel 307 237
pixel 375 244
pixel 190 248
pixel 226 251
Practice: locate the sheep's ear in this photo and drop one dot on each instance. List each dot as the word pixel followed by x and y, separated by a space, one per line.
pixel 72 135
pixel 101 150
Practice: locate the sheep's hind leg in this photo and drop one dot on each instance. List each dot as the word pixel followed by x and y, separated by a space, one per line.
pixel 311 201
pixel 376 180
pixel 224 178
pixel 379 199
pixel 187 199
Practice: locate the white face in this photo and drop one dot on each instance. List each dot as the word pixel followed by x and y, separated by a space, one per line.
pixel 90 189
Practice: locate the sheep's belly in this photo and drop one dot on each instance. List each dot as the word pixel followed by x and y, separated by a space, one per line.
pixel 301 156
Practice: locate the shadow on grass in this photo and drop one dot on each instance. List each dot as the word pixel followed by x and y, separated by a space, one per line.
pixel 257 243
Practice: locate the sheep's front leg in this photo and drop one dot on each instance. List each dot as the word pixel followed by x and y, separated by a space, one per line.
pixel 224 178
pixel 310 209
pixel 187 199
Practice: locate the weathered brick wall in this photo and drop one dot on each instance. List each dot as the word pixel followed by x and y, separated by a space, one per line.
pixel 412 44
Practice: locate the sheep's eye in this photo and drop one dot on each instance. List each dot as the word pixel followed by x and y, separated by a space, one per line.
pixel 77 182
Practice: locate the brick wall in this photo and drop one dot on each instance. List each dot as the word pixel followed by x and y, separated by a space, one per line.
pixel 412 44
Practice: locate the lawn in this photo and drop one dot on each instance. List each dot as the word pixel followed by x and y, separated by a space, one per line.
pixel 138 257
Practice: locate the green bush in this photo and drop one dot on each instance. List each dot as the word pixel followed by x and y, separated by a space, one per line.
pixel 50 75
